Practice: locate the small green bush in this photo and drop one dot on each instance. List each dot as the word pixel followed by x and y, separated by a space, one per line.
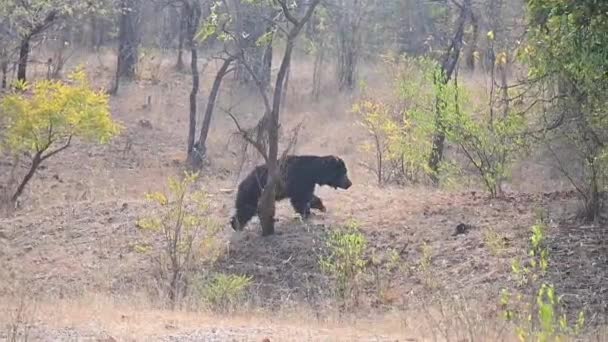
pixel 540 316
pixel 188 235
pixel 345 262
pixel 224 292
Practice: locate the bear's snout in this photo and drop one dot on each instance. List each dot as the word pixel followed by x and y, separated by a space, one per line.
pixel 345 183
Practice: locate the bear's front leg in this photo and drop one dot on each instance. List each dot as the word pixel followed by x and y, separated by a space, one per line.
pixel 301 206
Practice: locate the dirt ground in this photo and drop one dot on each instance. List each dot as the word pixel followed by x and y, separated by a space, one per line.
pixel 72 242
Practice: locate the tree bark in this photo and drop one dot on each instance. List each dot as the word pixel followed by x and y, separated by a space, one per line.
pixel 128 39
pixel 470 58
pixel 317 72
pixel 183 28
pixel 349 23
pixel 447 69
pixel 24 51
pixel 4 68
pixel 193 21
pixel 201 148
pixel 193 93
pixel 35 164
pixel 24 48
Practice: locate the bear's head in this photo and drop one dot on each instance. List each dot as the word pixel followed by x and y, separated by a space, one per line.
pixel 234 222
pixel 335 173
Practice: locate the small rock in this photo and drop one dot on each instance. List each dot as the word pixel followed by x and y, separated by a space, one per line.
pixel 145 123
pixel 461 229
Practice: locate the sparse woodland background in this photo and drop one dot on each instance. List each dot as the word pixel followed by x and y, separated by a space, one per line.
pixel 475 132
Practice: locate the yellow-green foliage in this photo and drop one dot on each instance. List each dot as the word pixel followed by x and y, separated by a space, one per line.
pixel 42 119
pixel 539 257
pixel 225 291
pixel 489 143
pixel 401 132
pixel 541 318
pixel 345 262
pixel 53 112
pixel 188 234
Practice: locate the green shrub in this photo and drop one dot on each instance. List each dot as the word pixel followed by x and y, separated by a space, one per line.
pixel 224 292
pixel 540 316
pixel 400 129
pixel 345 262
pixel 187 233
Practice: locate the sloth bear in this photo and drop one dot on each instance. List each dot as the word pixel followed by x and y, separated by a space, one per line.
pixel 298 176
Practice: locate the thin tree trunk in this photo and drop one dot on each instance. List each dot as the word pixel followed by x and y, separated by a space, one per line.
pixel 286 86
pixel 4 67
pixel 193 93
pixel 215 89
pixel 24 51
pixel 194 11
pixel 267 65
pixel 181 37
pixel 266 205
pixel 470 59
pixel 35 163
pixel 93 33
pixel 448 66
pixel 128 40
pixel 317 73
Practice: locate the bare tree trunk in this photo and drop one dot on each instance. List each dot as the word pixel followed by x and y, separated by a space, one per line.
pixel 266 71
pixel 24 48
pixel 193 94
pixel 4 68
pixel 347 60
pixel 448 66
pixel 349 23
pixel 35 164
pixel 93 33
pixel 128 39
pixel 317 73
pixel 472 48
pixel 286 86
pixel 201 148
pixel 24 51
pixel 194 11
pixel 181 37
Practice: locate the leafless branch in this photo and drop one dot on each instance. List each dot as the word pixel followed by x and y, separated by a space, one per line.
pixel 245 134
pixel 52 153
pixel 286 12
pixel 293 140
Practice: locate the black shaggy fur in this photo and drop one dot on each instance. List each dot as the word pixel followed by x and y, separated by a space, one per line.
pixel 299 176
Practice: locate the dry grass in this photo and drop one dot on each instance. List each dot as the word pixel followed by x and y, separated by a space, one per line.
pixel 97 316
